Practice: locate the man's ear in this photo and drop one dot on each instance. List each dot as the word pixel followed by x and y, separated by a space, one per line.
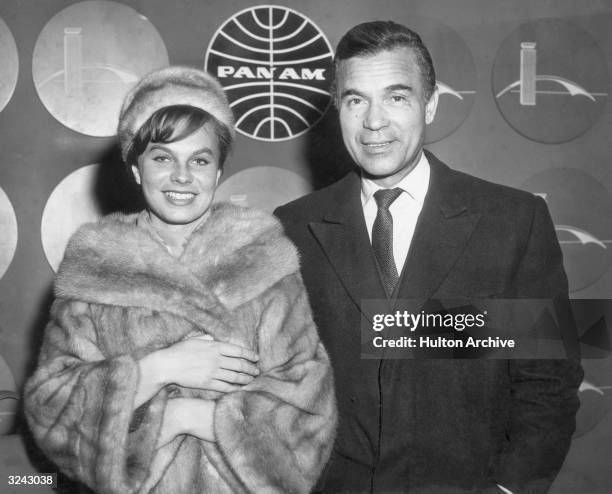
pixel 219 173
pixel 136 173
pixel 431 106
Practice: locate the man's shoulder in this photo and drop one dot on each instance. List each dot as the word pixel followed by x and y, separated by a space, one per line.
pixel 481 194
pixel 491 192
pixel 315 205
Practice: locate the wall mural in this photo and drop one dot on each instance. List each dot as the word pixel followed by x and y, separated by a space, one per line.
pixel 8 237
pixel 585 232
pixel 263 187
pixel 275 65
pixel 542 91
pixel 71 204
pixel 550 83
pixel 8 407
pixel 10 64
pixel 86 59
pixel 455 75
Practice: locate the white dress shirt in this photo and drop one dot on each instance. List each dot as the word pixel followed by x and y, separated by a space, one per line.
pixel 405 210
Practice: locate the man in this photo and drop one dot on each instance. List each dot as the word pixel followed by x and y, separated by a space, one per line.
pixel 426 425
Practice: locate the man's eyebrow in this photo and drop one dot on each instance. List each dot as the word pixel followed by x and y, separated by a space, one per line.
pixel 399 87
pixel 350 92
pixel 392 87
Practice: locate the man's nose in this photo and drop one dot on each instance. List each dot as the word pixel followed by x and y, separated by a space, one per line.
pixel 375 117
pixel 181 174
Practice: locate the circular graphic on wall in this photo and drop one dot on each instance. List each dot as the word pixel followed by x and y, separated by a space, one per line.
pixel 263 187
pixel 8 237
pixel 276 66
pixel 71 204
pixel 550 80
pixel 87 57
pixel 10 64
pixel 595 393
pixel 455 75
pixel 8 398
pixel 581 208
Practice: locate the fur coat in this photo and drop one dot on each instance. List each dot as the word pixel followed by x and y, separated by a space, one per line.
pixel 120 295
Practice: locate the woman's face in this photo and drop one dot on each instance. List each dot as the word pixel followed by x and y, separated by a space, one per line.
pixel 179 179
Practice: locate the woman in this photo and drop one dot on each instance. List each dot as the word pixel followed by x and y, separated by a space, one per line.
pixel 181 355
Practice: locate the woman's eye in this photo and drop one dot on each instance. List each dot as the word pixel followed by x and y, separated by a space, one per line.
pixel 201 162
pixel 161 158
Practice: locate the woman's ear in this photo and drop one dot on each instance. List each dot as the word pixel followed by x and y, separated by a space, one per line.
pixel 136 173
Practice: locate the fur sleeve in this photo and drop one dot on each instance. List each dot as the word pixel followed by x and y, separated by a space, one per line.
pixel 277 432
pixel 79 405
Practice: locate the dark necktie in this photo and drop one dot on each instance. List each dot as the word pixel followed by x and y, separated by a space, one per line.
pixel 382 237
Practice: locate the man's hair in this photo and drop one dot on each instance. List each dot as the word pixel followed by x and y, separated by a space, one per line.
pixel 174 123
pixel 371 38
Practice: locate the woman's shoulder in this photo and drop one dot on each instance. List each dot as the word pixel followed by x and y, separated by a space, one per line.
pixel 114 221
pixel 243 252
pixel 102 239
pixel 104 232
pixel 245 218
pixel 238 226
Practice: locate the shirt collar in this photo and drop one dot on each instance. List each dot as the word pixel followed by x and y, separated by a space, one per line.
pixel 415 184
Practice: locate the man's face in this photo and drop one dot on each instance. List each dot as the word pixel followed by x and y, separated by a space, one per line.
pixel 383 113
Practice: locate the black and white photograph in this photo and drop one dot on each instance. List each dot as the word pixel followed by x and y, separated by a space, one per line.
pixel 330 246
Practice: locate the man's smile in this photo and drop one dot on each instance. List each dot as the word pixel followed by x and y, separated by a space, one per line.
pixel 376 147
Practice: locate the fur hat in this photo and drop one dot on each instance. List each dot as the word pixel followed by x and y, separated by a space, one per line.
pixel 167 87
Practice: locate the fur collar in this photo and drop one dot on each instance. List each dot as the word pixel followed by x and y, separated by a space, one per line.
pixel 233 257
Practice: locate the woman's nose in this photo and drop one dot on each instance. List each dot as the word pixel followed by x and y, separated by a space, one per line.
pixel 181 174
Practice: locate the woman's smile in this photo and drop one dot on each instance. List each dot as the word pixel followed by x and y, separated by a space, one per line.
pixel 180 198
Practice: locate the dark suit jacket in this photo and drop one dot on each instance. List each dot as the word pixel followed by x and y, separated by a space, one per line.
pixel 438 425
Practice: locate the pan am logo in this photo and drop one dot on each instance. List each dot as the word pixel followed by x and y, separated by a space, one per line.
pixel 581 208
pixel 275 65
pixel 550 81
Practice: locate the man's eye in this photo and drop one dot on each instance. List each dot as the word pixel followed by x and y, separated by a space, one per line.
pixel 354 101
pixel 200 162
pixel 398 98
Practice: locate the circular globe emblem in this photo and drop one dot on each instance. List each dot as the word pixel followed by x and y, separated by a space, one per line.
pixel 10 64
pixel 550 80
pixel 275 65
pixel 455 74
pixel 581 208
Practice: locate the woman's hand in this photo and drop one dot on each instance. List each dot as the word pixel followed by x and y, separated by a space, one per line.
pixel 200 362
pixel 197 362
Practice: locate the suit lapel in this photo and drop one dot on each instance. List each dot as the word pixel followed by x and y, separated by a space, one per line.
pixel 442 232
pixel 343 236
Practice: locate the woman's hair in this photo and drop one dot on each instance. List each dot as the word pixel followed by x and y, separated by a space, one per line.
pixel 173 123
